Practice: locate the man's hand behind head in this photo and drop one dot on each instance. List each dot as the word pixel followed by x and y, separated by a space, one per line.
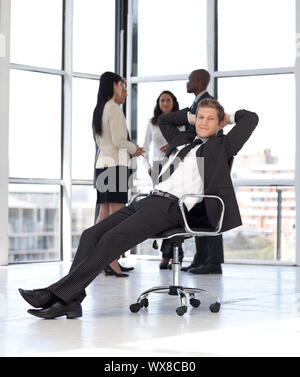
pixel 225 122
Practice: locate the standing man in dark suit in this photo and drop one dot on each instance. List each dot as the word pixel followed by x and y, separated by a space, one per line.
pixel 197 83
pixel 209 250
pixel 183 173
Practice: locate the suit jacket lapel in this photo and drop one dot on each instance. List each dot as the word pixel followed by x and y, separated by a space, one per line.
pixel 183 138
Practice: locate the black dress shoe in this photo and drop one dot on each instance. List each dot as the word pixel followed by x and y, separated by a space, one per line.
pixel 187 268
pixel 59 309
pixel 209 268
pixel 38 298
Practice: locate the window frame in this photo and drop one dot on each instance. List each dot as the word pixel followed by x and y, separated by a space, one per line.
pixel 212 67
pixel 66 73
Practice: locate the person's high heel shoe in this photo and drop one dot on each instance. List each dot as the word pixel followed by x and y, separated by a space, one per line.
pixel 111 272
pixel 165 264
pixel 125 269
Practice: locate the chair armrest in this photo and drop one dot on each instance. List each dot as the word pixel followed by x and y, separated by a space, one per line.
pixel 136 196
pixel 217 231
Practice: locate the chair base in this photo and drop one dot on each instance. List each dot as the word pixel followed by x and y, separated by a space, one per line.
pixel 174 290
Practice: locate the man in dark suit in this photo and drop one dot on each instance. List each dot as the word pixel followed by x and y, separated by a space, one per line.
pixel 209 250
pixel 197 83
pixel 107 240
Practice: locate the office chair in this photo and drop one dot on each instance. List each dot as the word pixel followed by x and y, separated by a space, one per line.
pixel 177 237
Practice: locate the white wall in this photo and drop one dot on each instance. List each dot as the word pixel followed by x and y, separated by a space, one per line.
pixel 4 106
pixel 297 165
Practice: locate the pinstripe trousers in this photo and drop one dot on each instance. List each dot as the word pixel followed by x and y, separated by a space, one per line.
pixel 110 238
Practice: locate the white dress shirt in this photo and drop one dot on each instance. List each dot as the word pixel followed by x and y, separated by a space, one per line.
pixel 186 178
pixel 154 136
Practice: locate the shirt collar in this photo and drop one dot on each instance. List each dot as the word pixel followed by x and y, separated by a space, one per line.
pixel 199 95
pixel 204 139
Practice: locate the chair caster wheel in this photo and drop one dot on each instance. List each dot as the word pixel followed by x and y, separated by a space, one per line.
pixel 214 308
pixel 181 310
pixel 134 308
pixel 195 303
pixel 144 303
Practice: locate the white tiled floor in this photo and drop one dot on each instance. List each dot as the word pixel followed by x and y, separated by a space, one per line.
pixel 260 315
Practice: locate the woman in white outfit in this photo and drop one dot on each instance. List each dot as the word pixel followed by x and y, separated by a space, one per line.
pixel 114 151
pixel 165 103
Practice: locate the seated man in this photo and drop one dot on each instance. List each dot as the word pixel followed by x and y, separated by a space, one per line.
pixel 182 173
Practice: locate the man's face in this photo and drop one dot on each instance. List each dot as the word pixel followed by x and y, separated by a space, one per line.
pixel 193 85
pixel 207 122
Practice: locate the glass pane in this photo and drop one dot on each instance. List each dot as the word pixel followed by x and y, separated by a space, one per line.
pixel 83 211
pixel 36 33
pixel 259 237
pixel 34 223
pixel 146 101
pixel 35 125
pixel 270 152
pixel 171 36
pixel 94 36
pixel 256 34
pixel 84 102
pixel 83 146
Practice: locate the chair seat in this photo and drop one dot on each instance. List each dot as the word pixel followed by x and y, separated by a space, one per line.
pixel 171 232
pixel 181 232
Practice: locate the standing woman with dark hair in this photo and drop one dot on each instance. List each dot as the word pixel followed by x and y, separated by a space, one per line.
pixel 114 151
pixel 165 103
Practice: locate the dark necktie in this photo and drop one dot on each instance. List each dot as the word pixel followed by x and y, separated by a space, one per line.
pixel 180 156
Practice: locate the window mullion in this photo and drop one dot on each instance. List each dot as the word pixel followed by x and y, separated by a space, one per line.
pixel 4 129
pixel 66 205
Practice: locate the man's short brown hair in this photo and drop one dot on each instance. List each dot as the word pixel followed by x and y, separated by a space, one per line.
pixel 213 104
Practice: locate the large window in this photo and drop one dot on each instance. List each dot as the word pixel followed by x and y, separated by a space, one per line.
pixel 94 41
pixel 268 232
pixel 83 212
pixel 83 145
pixel 251 60
pixel 94 36
pixel 35 134
pixel 34 223
pixel 35 125
pixel 268 154
pixel 171 36
pixel 51 136
pixel 256 34
pixel 169 42
pixel 59 49
pixel 36 33
pixel 259 53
